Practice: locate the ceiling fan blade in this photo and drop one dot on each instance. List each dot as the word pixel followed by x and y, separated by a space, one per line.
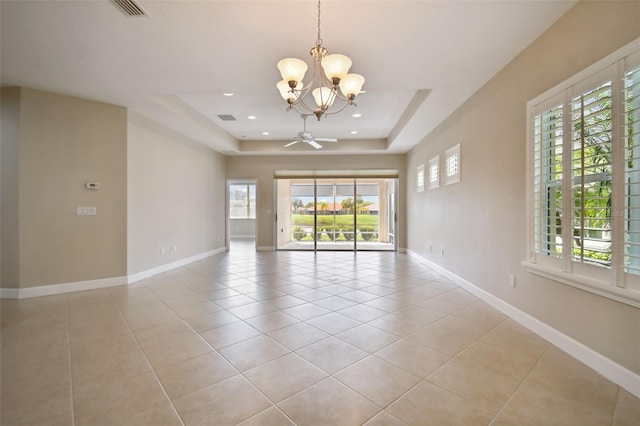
pixel 325 139
pixel 314 144
pixel 291 143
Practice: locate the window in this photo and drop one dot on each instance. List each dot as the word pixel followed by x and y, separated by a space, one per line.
pixel 452 161
pixel 434 172
pixel 242 201
pixel 420 178
pixel 584 179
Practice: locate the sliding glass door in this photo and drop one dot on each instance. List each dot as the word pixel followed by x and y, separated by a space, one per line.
pixel 336 214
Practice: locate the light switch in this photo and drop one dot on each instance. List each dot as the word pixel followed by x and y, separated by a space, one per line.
pixel 86 211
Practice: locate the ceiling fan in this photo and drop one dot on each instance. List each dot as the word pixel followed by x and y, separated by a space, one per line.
pixel 307 137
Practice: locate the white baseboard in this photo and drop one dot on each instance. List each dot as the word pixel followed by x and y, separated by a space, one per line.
pixel 48 290
pixel 611 370
pixel 138 276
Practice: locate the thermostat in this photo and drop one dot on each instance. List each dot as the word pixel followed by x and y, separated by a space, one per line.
pixel 93 185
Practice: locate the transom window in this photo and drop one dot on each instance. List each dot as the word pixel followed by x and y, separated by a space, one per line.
pixel 584 179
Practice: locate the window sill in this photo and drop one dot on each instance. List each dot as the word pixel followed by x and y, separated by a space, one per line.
pixel 601 288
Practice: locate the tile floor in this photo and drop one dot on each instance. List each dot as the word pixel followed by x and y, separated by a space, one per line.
pixel 290 338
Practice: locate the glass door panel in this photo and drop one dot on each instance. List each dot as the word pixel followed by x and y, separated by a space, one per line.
pixel 334 214
pixel 295 214
pixel 375 214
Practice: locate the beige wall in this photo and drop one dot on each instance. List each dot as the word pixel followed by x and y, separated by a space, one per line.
pixel 64 142
pixel 261 168
pixel 176 193
pixel 481 222
pixel 9 190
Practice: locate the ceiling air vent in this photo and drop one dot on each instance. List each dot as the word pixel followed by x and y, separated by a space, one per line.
pixel 226 117
pixel 130 8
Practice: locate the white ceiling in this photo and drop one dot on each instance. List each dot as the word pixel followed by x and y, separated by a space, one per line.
pixel 421 60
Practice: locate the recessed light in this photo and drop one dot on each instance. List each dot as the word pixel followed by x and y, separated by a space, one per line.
pixel 265 133
pixel 357 115
pixel 227 94
pixel 354 132
pixel 251 117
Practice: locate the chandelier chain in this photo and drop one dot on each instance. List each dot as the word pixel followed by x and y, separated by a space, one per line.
pixel 319 39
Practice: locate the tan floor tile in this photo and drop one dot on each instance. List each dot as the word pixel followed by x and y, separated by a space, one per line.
pixel 234 301
pixel 221 293
pixel 423 316
pixel 362 312
pixel 368 338
pixel 414 358
pixel 163 333
pixel 269 417
pixel 328 403
pixel 253 352
pixel 331 354
pixel 124 364
pixel 306 311
pixel 162 415
pixel 298 335
pixel 481 387
pixel 148 315
pixel 195 374
pixel 190 310
pixel 396 324
pixel 440 407
pixel 114 399
pixel 532 406
pixel 285 376
pixel 441 339
pixel 386 304
pixel 97 322
pixel 89 346
pixel 335 303
pixel 377 380
pixel 89 297
pixel 284 302
pixel 439 305
pixel 587 388
pixel 225 403
pixel 627 409
pixel 272 321
pixel 208 321
pixel 176 350
pixel 510 334
pixel 508 362
pixel 333 323
pixel 47 403
pixel 251 310
pixel 384 419
pixel 229 334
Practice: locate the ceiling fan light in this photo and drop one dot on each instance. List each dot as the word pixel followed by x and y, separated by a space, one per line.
pixel 285 90
pixel 336 66
pixel 323 96
pixel 351 85
pixel 292 69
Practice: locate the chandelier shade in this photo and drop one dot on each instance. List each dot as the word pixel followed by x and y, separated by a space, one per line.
pixel 329 72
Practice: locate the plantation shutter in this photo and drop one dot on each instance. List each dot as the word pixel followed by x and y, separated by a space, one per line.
pixel 591 157
pixel 632 170
pixel 547 193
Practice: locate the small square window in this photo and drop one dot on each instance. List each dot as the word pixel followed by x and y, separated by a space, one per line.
pixel 452 164
pixel 434 172
pixel 420 178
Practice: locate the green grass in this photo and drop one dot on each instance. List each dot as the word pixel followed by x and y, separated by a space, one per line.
pixel 327 220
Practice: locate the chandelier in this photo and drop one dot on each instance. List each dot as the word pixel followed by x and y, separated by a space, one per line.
pixel 330 73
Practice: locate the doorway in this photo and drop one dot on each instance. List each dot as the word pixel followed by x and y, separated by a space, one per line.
pixel 345 213
pixel 241 214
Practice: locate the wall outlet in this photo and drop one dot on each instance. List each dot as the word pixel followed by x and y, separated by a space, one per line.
pixel 86 211
pixel 512 281
pixel 442 252
pixel 162 251
pixel 174 249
